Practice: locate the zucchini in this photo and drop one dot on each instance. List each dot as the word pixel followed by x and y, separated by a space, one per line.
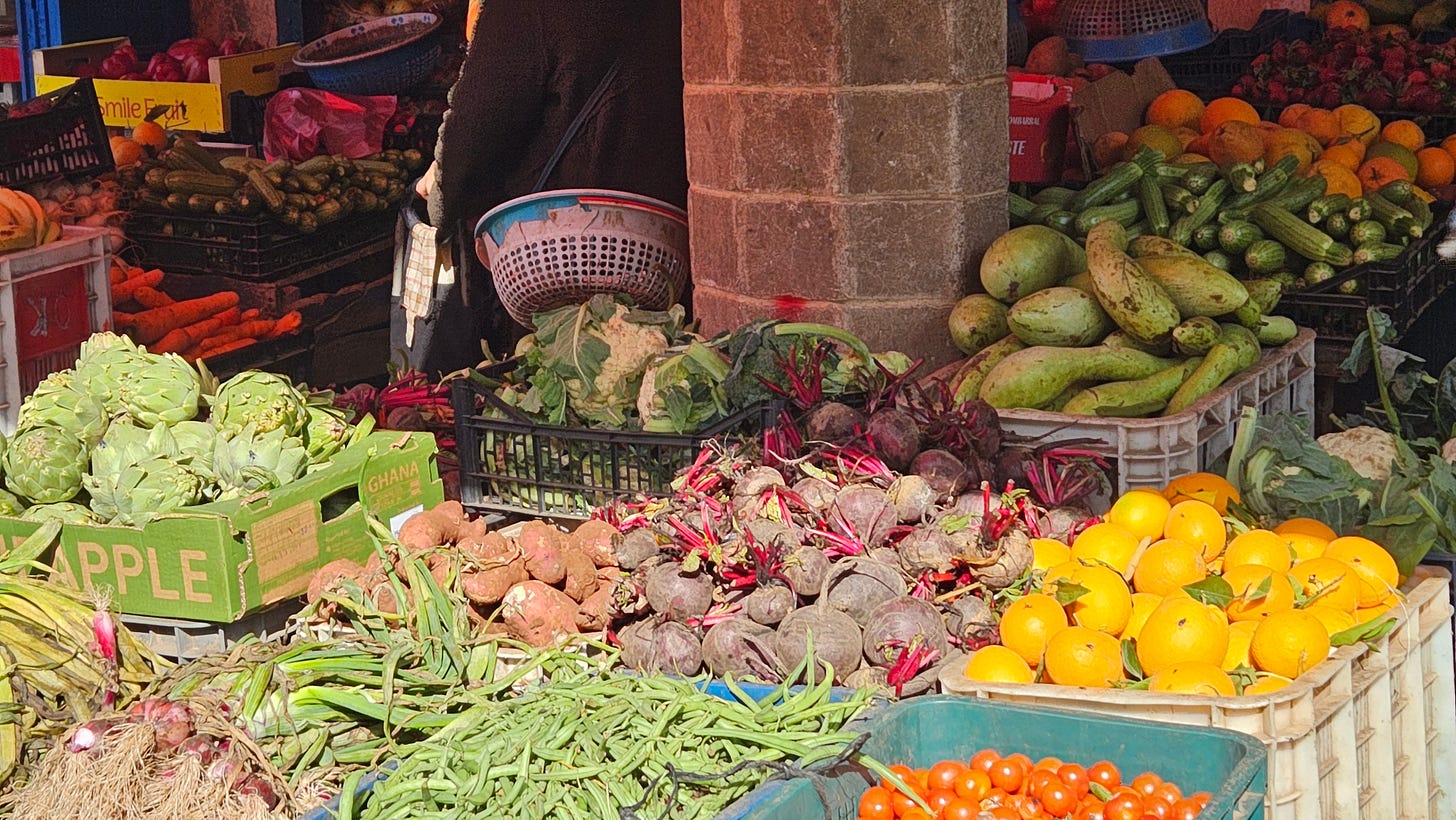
pixel 1038 214
pixel 1228 215
pixel 176 203
pixel 1269 183
pixel 1018 208
pixel 1242 176
pixel 1150 196
pixel 1205 238
pixel 1359 210
pixel 1421 210
pixel 204 203
pixel 1123 213
pixel 328 211
pixel 1178 198
pixel 1367 232
pixel 203 157
pixel 1265 256
pixel 1321 208
pixel 1182 231
pixel 1337 225
pixel 1138 228
pixel 1171 171
pixel 224 207
pixel 1236 236
pixel 1399 192
pixel 1376 252
pixel 1053 196
pixel 1220 260
pixel 199 182
pixel 1297 195
pixel 1300 236
pixel 312 183
pixel 1317 273
pixel 1200 178
pixel 1119 179
pixel 156 180
pixel 1064 221
pixel 272 198
pixel 384 169
pixel 321 164
pixel 1398 221
pixel 1349 287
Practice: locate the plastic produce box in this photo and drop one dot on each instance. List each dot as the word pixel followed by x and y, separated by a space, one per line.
pixel 190 106
pixel 1212 70
pixel 256 249
pixel 52 298
pixel 67 139
pixel 220 561
pixel 1370 732
pixel 181 641
pixel 1151 452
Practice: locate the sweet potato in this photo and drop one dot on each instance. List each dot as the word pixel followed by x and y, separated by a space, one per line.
pixel 596 611
pixel 489 586
pixel 542 545
pixel 330 574
pixel 596 539
pixel 581 575
pixel 1050 56
pixel 441 565
pixel 472 531
pixel 432 528
pixel 490 550
pixel 538 614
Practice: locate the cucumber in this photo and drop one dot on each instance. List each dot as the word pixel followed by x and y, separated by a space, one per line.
pixel 1376 252
pixel 1317 273
pixel 1367 232
pixel 1359 210
pixel 1337 225
pixel 1208 204
pixel 1236 236
pixel 1053 196
pixel 1150 196
pixel 1400 192
pixel 1123 213
pixel 1297 195
pixel 1064 221
pixel 1200 178
pixel 1265 256
pixel 1118 180
pixel 1242 176
pixel 1219 260
pixel 1205 238
pixel 1017 208
pixel 1321 208
pixel 1178 199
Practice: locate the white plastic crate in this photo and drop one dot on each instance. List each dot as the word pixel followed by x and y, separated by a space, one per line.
pixel 182 641
pixel 1368 733
pixel 51 299
pixel 1151 452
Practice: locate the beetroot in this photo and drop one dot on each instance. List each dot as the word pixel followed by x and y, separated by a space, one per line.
pixel 678 595
pixel 767 532
pixel 927 549
pixel 837 639
pixel 902 623
pixel 816 492
pixel 834 423
pixel 913 497
pixel 741 648
pixel 1011 557
pixel 661 646
pixel 945 473
pixel 805 568
pixel 970 620
pixel 869 677
pixel 894 437
pixel 1059 522
pixel 868 511
pixel 768 605
pixel 857 585
pixel 756 482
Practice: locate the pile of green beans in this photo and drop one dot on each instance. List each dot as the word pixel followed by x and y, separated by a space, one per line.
pixel 588 745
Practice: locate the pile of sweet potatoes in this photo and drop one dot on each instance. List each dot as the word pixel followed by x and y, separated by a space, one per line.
pixel 536 581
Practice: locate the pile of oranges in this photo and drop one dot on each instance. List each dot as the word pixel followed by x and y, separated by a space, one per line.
pixel 992 787
pixel 1165 592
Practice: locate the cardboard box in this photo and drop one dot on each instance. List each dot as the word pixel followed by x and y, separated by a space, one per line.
pixel 1039 118
pixel 218 562
pixel 1117 102
pixel 191 106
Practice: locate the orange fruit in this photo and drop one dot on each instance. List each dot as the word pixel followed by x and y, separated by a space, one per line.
pixel 1182 630
pixel 1323 125
pixel 1078 656
pixel 1107 543
pixel 1345 151
pixel 1175 108
pixel 1262 547
pixel 1107 150
pixel 1435 167
pixel 1378 172
pixel 1404 133
pixel 1347 14
pixel 1335 620
pixel 1185 136
pixel 1048 552
pixel 126 151
pixel 1449 145
pixel 1141 512
pixel 1206 487
pixel 1290 115
pixel 1057 574
pixel 1359 122
pixel 1028 623
pixel 1288 142
pixel 1143 604
pixel 149 134
pixel 1403 156
pixel 1108 603
pixel 1328 582
pixel 1226 109
pixel 997 664
pixel 1338 178
pixel 1251 601
pixel 1366 614
pixel 1193 679
pixel 1233 142
pixel 1305 546
pixel 1167 566
pixel 1199 524
pixel 1289 643
pixel 1308 526
pixel 1374 566
pixel 1241 634
pixel 1266 684
pixel 1156 137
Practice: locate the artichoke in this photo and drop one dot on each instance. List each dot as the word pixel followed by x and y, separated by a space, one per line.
pixel 105 363
pixel 326 433
pixel 44 464
pixel 248 461
pixel 66 512
pixel 59 401
pixel 263 401
pixel 195 441
pixel 160 390
pixel 10 505
pixel 137 493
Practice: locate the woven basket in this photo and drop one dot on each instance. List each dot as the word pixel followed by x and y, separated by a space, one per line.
pixel 559 248
pixel 387 55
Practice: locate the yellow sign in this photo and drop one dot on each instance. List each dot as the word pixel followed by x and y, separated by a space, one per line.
pixel 124 103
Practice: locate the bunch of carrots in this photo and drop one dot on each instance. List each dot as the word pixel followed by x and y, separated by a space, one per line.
pixel 201 328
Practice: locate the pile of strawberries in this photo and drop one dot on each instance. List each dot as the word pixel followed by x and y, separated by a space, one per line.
pixel 1383 72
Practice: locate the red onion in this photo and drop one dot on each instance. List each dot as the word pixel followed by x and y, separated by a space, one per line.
pixel 88 734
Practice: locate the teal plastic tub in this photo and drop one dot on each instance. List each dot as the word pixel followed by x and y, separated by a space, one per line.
pixel 922 731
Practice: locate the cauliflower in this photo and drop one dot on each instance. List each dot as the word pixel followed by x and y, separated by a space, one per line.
pixel 615 388
pixel 1369 450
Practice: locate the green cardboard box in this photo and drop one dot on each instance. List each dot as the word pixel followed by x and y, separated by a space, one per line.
pixel 218 562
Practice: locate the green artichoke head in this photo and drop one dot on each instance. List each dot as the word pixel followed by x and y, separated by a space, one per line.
pixel 263 401
pixel 106 362
pixel 249 461
pixel 58 401
pixel 140 492
pixel 326 433
pixel 195 442
pixel 45 464
pixel 160 390
pixel 66 512
pixel 10 505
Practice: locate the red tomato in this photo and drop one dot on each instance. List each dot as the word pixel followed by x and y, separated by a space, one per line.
pixel 1147 784
pixel 1202 798
pixel 984 760
pixel 1158 807
pixel 943 774
pixel 1075 777
pixel 939 799
pixel 1008 775
pixel 1058 799
pixel 1039 780
pixel 901 803
pixel 1186 809
pixel 901 771
pixel 973 785
pixel 920 781
pixel 1030 808
pixel 1105 774
pixel 1004 813
pixel 1124 806
pixel 994 797
pixel 1021 760
pixel 1051 763
pixel 874 804
pixel 961 809
pixel 1091 809
pixel 1169 792
pixel 916 813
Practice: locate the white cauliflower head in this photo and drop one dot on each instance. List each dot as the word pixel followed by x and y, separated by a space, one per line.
pixel 615 388
pixel 1369 450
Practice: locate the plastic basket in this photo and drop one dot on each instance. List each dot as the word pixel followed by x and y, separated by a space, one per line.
pixel 1151 452
pixel 1116 31
pixel 1212 70
pixel 247 248
pixel 67 140
pixel 51 299
pixel 923 731
pixel 182 641
pixel 386 55
pixel 560 248
pixel 1367 733
pixel 516 466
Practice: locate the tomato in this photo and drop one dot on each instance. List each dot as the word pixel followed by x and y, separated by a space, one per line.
pixel 1050 763
pixel 1091 809
pixel 994 797
pixel 916 813
pixel 1039 780
pixel 1124 806
pixel 905 773
pixel 972 785
pixel 1157 807
pixel 1076 778
pixel 939 799
pixel 961 809
pixel 1169 792
pixel 874 804
pixel 1186 809
pixel 920 781
pixel 984 760
pixel 1147 784
pixel 1004 813
pixel 1007 774
pixel 1202 798
pixel 943 774
pixel 901 803
pixel 1105 774
pixel 1058 799
pixel 1021 760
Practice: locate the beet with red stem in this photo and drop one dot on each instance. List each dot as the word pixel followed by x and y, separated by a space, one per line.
pixel 913 498
pixel 902 622
pixel 836 637
pixel 895 437
pixel 654 646
pixel 768 605
pixel 858 585
pixel 741 648
pixel 1013 557
pixel 804 568
pixel 945 473
pixel 927 549
pixel 833 422
pixel 756 482
pixel 866 512
pixel 971 621
pixel 817 493
pixel 636 547
pixel 676 594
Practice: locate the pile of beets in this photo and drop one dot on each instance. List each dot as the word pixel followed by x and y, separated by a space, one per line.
pixel 1383 72
pixel 881 539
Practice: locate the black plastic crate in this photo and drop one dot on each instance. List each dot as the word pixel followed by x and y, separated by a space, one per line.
pixel 510 464
pixel 67 140
pixel 1212 70
pixel 247 248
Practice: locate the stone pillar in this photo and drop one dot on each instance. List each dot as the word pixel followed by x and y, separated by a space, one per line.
pixel 852 153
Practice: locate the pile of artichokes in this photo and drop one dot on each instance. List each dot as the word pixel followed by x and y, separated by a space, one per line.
pixel 128 435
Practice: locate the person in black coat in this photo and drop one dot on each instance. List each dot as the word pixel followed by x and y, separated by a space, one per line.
pixel 531 68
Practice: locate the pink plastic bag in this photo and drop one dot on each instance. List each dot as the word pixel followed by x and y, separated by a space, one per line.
pixel 302 122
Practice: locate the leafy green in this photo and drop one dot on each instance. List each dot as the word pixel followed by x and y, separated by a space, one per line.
pixel 1281 473
pixel 682 390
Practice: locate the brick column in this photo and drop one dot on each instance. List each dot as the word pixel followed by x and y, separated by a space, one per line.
pixel 849 152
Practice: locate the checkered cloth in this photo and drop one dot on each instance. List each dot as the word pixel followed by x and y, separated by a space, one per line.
pixel 420 267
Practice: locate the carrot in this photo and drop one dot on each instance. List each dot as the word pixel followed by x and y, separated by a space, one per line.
pixel 287 323
pixel 152 298
pixel 250 314
pixel 235 344
pixel 121 320
pixel 151 325
pixel 126 290
pixel 256 329
pixel 118 275
pixel 182 339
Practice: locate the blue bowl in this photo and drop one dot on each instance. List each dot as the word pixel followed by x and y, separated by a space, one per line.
pixel 386 55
